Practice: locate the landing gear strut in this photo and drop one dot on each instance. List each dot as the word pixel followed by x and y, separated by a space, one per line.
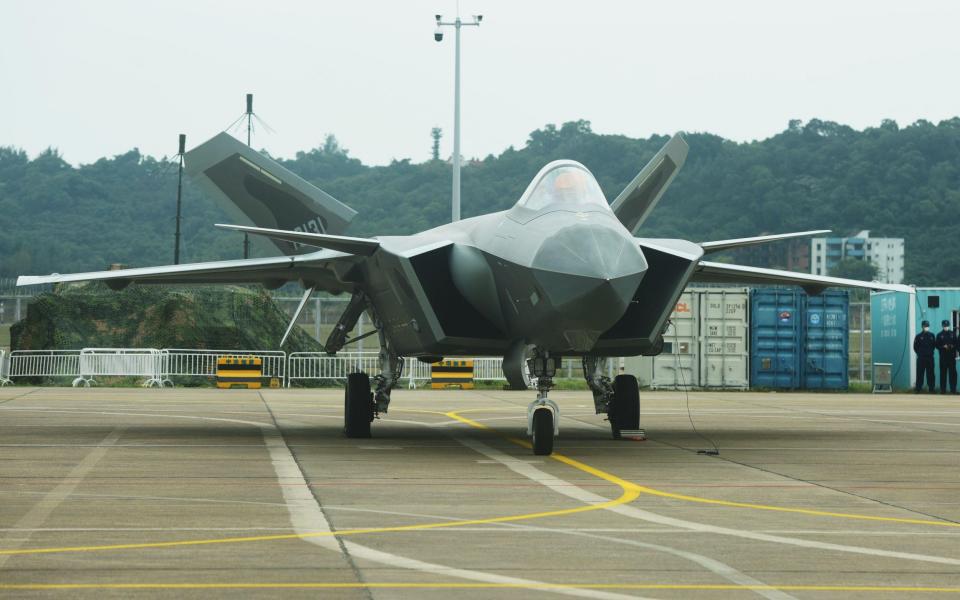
pixel 543 414
pixel 361 406
pixel 619 398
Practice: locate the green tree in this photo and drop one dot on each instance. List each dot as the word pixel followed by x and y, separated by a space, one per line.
pixel 853 268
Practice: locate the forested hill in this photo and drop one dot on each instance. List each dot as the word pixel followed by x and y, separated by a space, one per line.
pixel 901 182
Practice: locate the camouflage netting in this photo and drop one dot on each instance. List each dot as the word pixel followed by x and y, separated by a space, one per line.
pixel 90 315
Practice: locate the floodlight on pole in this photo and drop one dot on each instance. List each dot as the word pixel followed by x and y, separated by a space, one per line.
pixel 438 36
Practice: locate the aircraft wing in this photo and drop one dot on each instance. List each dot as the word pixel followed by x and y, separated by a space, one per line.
pixel 351 245
pixel 721 245
pixel 640 197
pixel 713 272
pixel 318 268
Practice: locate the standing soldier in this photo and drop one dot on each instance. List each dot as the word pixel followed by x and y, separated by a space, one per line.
pixel 947 345
pixel 923 345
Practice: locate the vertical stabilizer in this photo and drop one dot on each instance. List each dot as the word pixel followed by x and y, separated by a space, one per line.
pixel 640 197
pixel 256 190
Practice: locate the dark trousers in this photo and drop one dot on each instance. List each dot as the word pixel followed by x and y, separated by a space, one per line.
pixel 924 369
pixel 948 367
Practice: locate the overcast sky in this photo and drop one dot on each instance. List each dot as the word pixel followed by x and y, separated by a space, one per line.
pixel 97 78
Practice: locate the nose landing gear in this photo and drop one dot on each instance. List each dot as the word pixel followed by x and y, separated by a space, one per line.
pixel 543 414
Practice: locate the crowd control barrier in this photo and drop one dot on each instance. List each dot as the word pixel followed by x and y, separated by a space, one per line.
pixel 43 363
pixel 158 367
pixel 4 367
pixel 120 362
pixel 185 362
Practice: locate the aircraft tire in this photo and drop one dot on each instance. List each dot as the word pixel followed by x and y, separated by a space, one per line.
pixel 624 410
pixel 543 432
pixel 357 406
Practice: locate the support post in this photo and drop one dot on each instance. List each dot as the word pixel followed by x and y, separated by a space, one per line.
pixel 862 333
pixel 176 235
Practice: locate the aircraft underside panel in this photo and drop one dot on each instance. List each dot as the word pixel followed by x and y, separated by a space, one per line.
pixel 637 332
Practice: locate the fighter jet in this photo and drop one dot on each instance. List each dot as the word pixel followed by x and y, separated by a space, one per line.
pixel 560 273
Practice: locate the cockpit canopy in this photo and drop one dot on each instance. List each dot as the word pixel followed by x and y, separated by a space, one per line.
pixel 563 184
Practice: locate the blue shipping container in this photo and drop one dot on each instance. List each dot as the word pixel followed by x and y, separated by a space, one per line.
pixel 826 341
pixel 775 331
pixel 799 341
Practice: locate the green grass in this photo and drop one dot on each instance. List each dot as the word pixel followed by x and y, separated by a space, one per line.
pixel 5 337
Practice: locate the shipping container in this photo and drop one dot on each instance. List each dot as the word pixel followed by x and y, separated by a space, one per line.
pixel 705 344
pixel 798 341
pixel 826 343
pixel 895 319
pixel 640 367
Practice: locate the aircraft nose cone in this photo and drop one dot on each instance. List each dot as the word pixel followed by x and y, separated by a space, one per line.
pixel 589 275
pixel 590 250
pixel 584 307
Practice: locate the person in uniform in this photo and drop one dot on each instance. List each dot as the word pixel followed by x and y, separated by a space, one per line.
pixel 924 344
pixel 947 345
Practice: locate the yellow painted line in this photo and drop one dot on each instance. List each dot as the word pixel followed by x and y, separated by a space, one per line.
pixel 626 497
pixel 630 493
pixel 488 586
pixel 686 498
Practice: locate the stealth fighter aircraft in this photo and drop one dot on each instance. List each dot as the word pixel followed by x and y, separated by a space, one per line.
pixel 560 273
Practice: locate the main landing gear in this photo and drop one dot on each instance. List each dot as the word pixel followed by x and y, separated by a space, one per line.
pixel 618 398
pixel 361 405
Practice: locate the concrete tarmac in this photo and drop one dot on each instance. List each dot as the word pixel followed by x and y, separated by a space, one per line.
pixel 218 493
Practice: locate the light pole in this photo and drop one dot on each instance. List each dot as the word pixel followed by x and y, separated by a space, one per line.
pixel 176 235
pixel 438 36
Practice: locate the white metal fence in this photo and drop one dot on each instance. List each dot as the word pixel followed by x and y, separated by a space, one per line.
pixel 120 362
pixel 185 362
pixel 318 366
pixel 158 367
pixel 4 367
pixel 488 368
pixel 43 363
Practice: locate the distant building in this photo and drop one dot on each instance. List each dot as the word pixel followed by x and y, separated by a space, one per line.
pixel 884 253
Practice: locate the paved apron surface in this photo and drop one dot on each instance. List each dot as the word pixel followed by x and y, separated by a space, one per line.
pixel 213 493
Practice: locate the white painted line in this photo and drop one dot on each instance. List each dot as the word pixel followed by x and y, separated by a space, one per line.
pixel 568 489
pixel 306 516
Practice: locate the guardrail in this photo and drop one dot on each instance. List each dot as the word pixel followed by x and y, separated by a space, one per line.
pixel 120 362
pixel 185 362
pixel 488 368
pixel 319 366
pixel 159 366
pixel 4 367
pixel 416 371
pixel 43 363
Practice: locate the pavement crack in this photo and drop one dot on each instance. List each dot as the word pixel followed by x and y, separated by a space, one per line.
pixel 19 396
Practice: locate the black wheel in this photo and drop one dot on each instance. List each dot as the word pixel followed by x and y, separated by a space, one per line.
pixel 357 406
pixel 542 432
pixel 624 410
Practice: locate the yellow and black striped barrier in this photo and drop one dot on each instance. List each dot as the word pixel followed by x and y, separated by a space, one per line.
pixel 448 374
pixel 245 372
